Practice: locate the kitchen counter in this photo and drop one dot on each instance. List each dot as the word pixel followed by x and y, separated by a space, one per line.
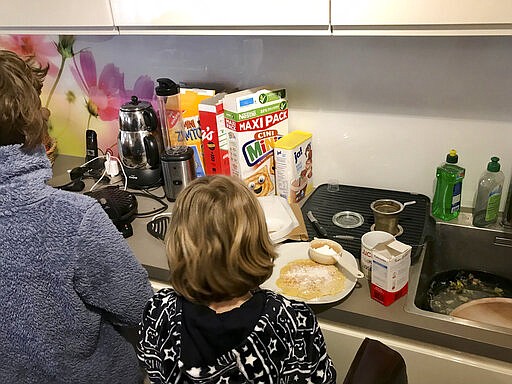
pixel 357 309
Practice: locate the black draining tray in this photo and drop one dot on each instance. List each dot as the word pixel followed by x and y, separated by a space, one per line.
pixel 415 219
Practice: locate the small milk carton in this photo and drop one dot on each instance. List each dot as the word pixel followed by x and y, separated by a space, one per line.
pixel 255 118
pixel 293 157
pixel 215 135
pixel 390 271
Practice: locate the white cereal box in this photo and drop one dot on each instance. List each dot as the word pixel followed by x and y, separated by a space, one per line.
pixel 255 118
pixel 293 156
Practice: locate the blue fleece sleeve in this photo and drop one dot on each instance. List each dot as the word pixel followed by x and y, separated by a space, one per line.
pixel 107 274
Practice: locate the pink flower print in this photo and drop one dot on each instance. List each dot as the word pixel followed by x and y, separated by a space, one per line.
pixel 35 46
pixel 104 93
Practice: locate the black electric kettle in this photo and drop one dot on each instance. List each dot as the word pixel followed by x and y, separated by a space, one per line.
pixel 140 144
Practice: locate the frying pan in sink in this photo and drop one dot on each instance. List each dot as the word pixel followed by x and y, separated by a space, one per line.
pixel 450 289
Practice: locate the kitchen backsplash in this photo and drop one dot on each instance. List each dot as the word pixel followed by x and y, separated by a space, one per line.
pixel 384 111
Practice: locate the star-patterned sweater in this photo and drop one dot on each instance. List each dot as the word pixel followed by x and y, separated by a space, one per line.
pixel 285 346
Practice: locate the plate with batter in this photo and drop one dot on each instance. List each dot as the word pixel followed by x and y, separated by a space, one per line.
pixel 297 277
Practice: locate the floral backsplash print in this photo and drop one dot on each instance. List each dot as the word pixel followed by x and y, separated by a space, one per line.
pixel 80 93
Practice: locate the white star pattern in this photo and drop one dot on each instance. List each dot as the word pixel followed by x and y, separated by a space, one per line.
pixel 272 346
pixel 254 360
pixel 301 319
pixel 250 359
pixel 169 354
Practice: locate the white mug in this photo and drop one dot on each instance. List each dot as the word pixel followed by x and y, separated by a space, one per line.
pixel 368 242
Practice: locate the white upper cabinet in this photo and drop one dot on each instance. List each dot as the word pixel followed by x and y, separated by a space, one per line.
pixel 287 17
pixel 56 16
pixel 421 17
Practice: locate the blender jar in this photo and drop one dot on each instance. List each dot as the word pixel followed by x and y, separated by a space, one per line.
pixel 169 111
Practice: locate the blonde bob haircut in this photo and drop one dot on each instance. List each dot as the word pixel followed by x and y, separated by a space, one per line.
pixel 218 246
pixel 21 117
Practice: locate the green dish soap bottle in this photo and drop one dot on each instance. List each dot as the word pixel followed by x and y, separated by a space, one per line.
pixel 447 195
pixel 487 203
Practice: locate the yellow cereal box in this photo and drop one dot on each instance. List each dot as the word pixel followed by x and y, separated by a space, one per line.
pixel 190 99
pixel 293 155
pixel 255 118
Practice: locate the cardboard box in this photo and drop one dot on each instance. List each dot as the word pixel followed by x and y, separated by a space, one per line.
pixel 293 156
pixel 390 271
pixel 190 99
pixel 215 135
pixel 255 118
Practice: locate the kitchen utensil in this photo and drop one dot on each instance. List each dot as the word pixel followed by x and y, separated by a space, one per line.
pixel 348 219
pixel 492 310
pixel 368 242
pixel 157 227
pixel 345 237
pixel 386 213
pixel 325 251
pixel 177 159
pixel 140 144
pixel 318 228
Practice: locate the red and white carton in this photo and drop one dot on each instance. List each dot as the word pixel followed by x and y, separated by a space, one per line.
pixel 255 118
pixel 390 271
pixel 214 135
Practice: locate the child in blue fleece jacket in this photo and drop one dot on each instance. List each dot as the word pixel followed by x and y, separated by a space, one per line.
pixel 69 282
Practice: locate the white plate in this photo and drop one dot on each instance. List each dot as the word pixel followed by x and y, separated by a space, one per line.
pixel 294 251
pixel 279 217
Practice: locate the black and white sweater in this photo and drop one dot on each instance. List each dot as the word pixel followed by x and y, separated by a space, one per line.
pixel 285 346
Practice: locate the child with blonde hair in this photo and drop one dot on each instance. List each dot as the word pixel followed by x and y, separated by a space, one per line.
pixel 215 325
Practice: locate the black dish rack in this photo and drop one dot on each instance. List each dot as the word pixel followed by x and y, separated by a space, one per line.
pixel 415 219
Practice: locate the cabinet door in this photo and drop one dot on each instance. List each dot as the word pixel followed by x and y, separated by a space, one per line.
pixel 154 16
pixel 422 16
pixel 59 16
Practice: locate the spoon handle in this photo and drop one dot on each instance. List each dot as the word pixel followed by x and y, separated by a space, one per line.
pixel 354 271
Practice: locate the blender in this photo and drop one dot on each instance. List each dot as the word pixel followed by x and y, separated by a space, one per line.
pixel 177 159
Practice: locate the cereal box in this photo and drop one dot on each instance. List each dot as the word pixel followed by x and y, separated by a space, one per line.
pixel 190 99
pixel 293 156
pixel 214 135
pixel 255 118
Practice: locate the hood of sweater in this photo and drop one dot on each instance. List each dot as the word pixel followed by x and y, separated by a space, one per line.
pixel 23 177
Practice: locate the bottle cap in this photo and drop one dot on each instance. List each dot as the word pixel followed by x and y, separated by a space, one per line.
pixel 166 87
pixel 452 157
pixel 494 166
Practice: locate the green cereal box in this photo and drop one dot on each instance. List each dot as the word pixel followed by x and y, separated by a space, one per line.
pixel 255 119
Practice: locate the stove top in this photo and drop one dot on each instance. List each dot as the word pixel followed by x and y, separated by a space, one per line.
pixel 415 219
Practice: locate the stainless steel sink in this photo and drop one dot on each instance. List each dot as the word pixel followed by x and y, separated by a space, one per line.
pixel 457 246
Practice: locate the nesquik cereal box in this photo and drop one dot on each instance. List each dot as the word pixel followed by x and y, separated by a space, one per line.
pixel 215 135
pixel 255 118
pixel 294 165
